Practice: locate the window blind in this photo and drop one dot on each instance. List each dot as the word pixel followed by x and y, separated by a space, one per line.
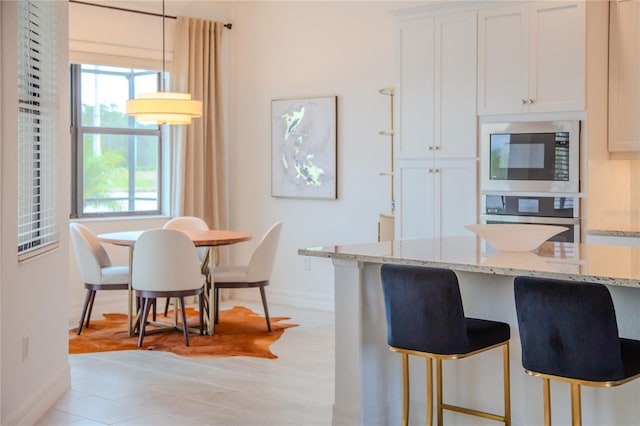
pixel 37 126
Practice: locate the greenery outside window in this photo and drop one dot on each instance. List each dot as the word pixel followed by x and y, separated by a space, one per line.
pixel 116 161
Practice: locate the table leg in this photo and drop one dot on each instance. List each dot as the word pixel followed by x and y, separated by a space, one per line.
pixel 212 301
pixel 130 296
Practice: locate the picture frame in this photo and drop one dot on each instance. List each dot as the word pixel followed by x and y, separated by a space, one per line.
pixel 304 148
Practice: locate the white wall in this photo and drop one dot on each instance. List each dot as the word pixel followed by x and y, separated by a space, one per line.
pixel 281 50
pixel 33 296
pixel 305 49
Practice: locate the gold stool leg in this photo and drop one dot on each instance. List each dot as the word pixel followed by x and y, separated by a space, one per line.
pixel 576 411
pixel 507 386
pixel 546 396
pixel 405 389
pixel 429 392
pixel 439 390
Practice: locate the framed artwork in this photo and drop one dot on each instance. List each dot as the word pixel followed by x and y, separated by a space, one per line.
pixel 303 148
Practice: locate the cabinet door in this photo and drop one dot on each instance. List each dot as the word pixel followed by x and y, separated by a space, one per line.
pixel 624 76
pixel 458 196
pixel 502 60
pixel 417 210
pixel 557 44
pixel 437 200
pixel 416 88
pixel 456 86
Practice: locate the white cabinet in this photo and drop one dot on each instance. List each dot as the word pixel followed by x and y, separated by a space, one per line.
pixel 531 58
pixel 438 87
pixel 624 75
pixel 437 199
pixel 436 155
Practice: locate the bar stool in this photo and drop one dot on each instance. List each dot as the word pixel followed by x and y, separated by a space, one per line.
pixel 425 318
pixel 568 332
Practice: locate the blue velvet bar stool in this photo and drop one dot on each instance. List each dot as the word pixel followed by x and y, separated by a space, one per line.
pixel 568 332
pixel 425 318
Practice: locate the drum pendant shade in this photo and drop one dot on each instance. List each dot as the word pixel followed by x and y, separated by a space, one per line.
pixel 164 107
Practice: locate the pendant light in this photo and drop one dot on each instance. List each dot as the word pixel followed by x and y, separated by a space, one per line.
pixel 164 107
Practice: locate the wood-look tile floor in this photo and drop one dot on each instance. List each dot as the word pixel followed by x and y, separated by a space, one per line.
pixel 156 388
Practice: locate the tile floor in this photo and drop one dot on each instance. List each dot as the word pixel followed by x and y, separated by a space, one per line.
pixel 156 388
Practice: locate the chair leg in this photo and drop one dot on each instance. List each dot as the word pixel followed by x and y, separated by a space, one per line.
pixel 93 297
pixel 429 367
pixel 143 320
pixel 153 314
pixel 185 326
pixel 576 410
pixel 201 306
pixel 84 310
pixel 439 391
pixel 216 308
pixel 546 397
pixel 166 306
pixel 405 389
pixel 507 387
pixel 264 305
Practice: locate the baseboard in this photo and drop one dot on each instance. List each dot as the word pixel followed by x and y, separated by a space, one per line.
pixel 42 399
pixel 287 298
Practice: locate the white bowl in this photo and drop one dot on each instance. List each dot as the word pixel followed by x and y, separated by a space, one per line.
pixel 515 236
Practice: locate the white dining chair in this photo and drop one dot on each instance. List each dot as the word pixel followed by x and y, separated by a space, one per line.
pixel 254 274
pixel 96 269
pixel 166 264
pixel 182 223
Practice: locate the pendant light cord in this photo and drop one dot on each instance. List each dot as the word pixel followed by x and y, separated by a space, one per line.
pixel 163 49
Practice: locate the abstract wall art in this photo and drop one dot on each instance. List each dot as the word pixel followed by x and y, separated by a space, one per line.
pixel 303 148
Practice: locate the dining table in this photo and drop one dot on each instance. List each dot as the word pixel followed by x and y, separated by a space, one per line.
pixel 200 238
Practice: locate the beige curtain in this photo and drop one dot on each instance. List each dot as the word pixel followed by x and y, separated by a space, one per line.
pixel 198 171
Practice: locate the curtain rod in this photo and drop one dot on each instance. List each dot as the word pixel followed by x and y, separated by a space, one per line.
pixel 229 25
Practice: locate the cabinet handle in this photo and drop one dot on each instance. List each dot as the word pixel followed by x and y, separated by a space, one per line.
pixel 437 147
pixel 436 170
pixel 530 101
pixel 430 147
pixel 524 101
pixel 430 170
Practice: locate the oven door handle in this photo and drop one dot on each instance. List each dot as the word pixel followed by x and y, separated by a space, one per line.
pixel 530 219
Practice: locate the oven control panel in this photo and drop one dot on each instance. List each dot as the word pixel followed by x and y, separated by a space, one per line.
pixel 520 205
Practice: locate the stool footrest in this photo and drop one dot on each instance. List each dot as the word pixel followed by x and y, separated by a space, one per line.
pixel 473 412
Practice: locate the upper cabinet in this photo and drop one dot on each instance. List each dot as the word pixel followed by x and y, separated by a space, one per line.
pixel 624 75
pixel 531 58
pixel 438 87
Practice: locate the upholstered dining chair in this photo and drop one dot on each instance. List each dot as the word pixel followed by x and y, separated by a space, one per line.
pixel 166 264
pixel 425 318
pixel 96 269
pixel 254 274
pixel 569 333
pixel 182 223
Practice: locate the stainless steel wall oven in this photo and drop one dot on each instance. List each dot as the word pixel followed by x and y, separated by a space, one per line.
pixel 530 173
pixel 550 210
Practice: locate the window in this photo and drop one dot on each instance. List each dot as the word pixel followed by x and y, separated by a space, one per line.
pixel 116 160
pixel 38 137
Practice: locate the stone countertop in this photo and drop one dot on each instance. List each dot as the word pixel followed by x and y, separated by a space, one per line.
pixel 634 233
pixel 611 265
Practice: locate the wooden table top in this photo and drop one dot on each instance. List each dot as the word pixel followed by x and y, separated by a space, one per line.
pixel 203 238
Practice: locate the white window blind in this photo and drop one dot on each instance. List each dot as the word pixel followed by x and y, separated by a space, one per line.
pixel 37 126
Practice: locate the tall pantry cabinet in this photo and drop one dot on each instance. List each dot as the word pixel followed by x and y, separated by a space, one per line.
pixel 436 157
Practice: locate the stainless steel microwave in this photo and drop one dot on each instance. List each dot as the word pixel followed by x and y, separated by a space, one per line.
pixel 541 156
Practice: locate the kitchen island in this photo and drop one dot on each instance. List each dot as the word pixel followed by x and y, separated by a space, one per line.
pixel 368 376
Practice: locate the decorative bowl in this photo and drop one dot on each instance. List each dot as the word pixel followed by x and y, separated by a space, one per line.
pixel 515 236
